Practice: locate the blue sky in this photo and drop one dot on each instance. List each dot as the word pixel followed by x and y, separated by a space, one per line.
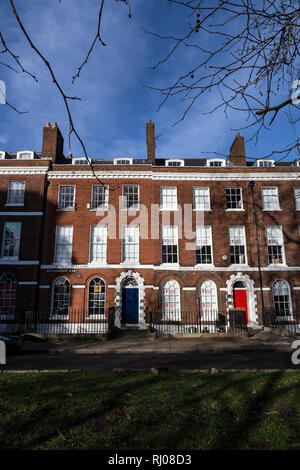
pixel 115 106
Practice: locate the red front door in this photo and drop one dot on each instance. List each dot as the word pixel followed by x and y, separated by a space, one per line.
pixel 240 300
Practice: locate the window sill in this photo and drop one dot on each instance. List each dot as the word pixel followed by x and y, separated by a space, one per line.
pixel 272 210
pixel 11 204
pixel 173 209
pixel 234 210
pixel 281 265
pixel 202 210
pixel 92 263
pixel 100 209
pixel 239 265
pixel 287 318
pixel 98 316
pixel 9 258
pixel 171 265
pixel 131 209
pixel 203 265
pixel 59 317
pixel 130 263
pixel 66 210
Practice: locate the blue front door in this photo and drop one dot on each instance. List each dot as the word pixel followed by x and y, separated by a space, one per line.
pixel 130 305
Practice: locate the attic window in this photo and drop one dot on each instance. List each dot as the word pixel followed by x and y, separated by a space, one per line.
pixel 216 162
pixel 265 163
pixel 174 162
pixel 79 161
pixel 122 161
pixel 2 155
pixel 26 155
pixel 297 163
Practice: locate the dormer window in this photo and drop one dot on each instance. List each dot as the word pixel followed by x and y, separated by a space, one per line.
pixel 2 155
pixel 80 161
pixel 265 163
pixel 297 162
pixel 25 155
pixel 216 162
pixel 175 162
pixel 123 161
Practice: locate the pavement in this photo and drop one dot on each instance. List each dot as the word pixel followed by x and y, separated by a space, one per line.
pixel 139 342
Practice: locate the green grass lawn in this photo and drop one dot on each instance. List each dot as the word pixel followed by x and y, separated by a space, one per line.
pixel 136 411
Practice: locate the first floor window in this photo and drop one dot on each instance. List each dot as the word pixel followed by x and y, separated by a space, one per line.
pixel 169 244
pixel 203 245
pixel 16 192
pixel 282 299
pixel 66 198
pixel 234 198
pixel 61 297
pixel 131 197
pixel 130 243
pixel 237 245
pixel 275 245
pixel 99 197
pixel 171 300
pixel 270 199
pixel 63 244
pixel 98 243
pixel 201 199
pixel 8 290
pixel 168 198
pixel 11 240
pixel 96 297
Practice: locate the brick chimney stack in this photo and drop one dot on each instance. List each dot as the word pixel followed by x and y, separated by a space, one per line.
pixel 53 143
pixel 237 155
pixel 150 139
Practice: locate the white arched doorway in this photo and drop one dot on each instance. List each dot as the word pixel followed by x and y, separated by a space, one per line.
pixel 130 300
pixel 241 293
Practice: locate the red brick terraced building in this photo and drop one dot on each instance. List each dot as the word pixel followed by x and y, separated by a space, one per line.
pixel 182 237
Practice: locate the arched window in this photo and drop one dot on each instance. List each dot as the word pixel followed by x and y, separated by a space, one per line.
pixel 61 297
pixel 282 298
pixel 208 301
pixel 96 305
pixel 171 300
pixel 8 290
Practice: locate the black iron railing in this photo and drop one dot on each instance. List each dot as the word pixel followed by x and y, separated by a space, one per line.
pixel 209 321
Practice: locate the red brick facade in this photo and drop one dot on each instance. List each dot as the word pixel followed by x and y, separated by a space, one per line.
pixel 38 235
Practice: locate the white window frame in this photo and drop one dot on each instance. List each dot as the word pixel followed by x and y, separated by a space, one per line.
pixel 297 198
pixel 196 198
pixel 266 196
pixel 126 244
pixel 204 232
pixel 163 197
pixel 69 208
pixel 284 317
pixel 128 161
pixel 69 261
pixel 169 314
pixel 80 161
pixel 297 162
pixel 241 194
pixel 242 232
pixel 260 163
pixel 269 238
pixel 169 233
pixel 208 314
pixel 92 316
pixel 215 160
pixel 2 155
pixel 133 208
pixel 30 152
pixel 93 257
pixel 57 316
pixel 17 247
pixel 11 191
pixel 10 309
pixel 105 207
pixel 174 160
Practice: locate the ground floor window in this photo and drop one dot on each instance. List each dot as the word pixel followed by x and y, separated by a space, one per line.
pixel 8 290
pixel 61 297
pixel 171 300
pixel 96 303
pixel 208 298
pixel 282 298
